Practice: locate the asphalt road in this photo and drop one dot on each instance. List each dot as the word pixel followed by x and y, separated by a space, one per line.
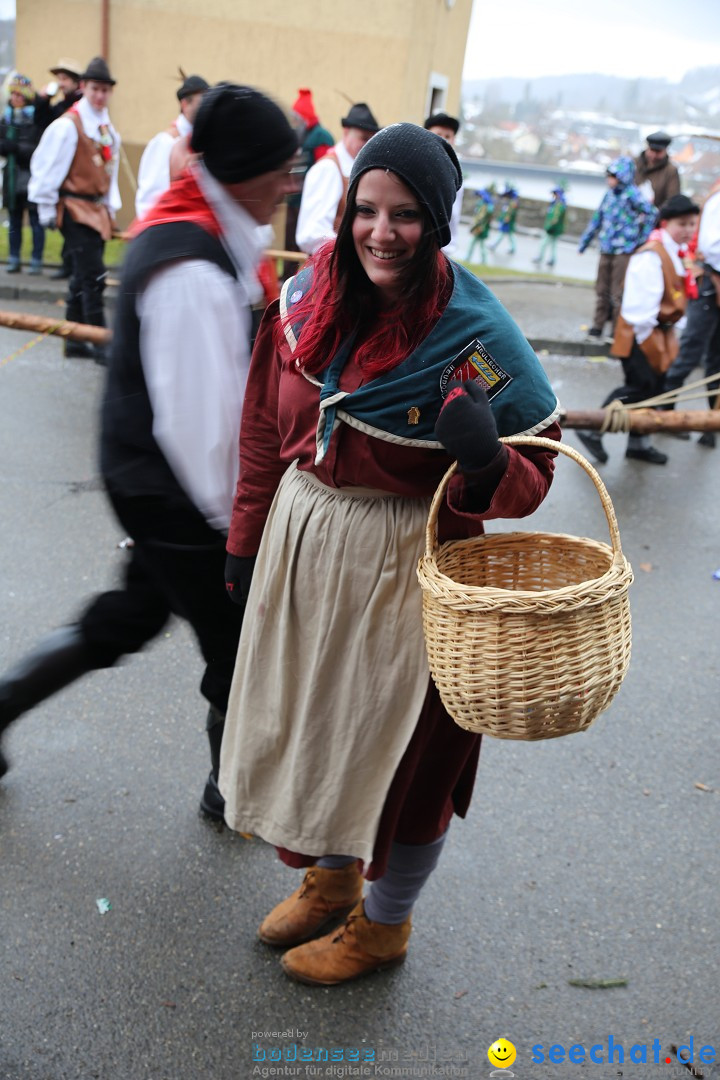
pixel 593 857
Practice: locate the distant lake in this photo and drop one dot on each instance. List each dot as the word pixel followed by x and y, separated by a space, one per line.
pixel 584 190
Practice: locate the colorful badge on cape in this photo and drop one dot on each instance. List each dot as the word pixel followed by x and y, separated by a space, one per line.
pixel 475 362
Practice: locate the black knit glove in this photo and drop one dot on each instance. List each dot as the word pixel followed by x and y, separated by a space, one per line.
pixel 238 575
pixel 466 427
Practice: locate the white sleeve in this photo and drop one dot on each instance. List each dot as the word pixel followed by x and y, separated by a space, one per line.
pixel 154 172
pixel 643 292
pixel 49 166
pixel 321 196
pixel 194 344
pixel 709 234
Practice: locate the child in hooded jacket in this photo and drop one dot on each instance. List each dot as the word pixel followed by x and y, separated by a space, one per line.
pixel 623 222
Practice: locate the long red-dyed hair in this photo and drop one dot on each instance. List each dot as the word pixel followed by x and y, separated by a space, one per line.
pixel 343 299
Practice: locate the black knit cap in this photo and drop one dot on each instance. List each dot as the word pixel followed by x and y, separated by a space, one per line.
pixel 359 116
pixel 241 133
pixel 97 71
pixel 677 206
pixel 442 119
pixel 192 84
pixel 424 161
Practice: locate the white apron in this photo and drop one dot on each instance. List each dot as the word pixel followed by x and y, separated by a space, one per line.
pixel 331 672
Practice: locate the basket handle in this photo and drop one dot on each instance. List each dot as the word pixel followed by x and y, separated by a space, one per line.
pixel 550 444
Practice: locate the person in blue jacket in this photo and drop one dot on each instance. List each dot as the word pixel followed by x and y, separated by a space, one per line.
pixel 623 221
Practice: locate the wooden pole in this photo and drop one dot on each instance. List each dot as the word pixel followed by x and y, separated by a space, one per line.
pixel 647 421
pixel 641 421
pixel 287 256
pixel 40 324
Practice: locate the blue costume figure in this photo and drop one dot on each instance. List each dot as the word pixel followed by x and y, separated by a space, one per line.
pixel 480 225
pixel 508 216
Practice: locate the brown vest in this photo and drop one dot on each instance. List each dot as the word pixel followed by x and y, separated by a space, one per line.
pixel 89 178
pixel 661 347
pixel 332 156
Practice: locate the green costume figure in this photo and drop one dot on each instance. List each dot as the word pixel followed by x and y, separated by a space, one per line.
pixel 554 225
pixel 508 215
pixel 480 226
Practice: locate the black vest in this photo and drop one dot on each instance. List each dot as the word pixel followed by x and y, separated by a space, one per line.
pixel 131 462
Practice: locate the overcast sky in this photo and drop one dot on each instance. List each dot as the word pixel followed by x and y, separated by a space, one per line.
pixel 7 9
pixel 630 38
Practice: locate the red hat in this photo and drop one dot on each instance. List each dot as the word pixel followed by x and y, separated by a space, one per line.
pixel 304 107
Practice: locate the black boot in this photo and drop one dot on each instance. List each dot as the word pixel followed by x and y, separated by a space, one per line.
pixel 212 804
pixel 99 355
pixel 646 453
pixel 77 350
pixel 58 660
pixel 593 442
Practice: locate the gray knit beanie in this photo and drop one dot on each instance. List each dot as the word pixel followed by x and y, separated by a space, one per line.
pixel 424 161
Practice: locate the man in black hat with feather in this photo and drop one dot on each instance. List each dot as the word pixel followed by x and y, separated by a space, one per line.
pixel 155 171
pixel 326 183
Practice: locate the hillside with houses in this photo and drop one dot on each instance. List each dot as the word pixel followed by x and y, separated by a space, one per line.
pixel 582 122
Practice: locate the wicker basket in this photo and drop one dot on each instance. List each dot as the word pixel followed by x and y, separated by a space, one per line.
pixel 527 634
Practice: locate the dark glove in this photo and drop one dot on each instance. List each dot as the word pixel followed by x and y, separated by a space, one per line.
pixel 238 575
pixel 466 427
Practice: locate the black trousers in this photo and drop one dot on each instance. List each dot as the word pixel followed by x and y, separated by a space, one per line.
pixel 641 381
pixel 176 567
pixel 700 341
pixel 85 249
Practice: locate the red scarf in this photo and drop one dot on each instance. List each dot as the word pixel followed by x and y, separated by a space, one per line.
pixel 183 201
pixel 686 257
pixel 105 143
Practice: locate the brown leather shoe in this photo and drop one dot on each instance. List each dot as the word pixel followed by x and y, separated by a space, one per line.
pixel 358 948
pixel 324 895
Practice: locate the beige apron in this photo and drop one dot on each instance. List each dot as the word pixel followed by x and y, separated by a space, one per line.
pixel 331 672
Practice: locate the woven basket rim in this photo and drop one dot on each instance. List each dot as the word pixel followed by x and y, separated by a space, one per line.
pixel 619 571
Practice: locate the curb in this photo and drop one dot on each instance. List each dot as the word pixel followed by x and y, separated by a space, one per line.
pixel 570 348
pixel 47 294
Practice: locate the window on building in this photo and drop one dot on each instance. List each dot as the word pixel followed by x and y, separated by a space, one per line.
pixel 437 93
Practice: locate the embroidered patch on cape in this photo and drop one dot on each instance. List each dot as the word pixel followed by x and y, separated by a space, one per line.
pixel 475 362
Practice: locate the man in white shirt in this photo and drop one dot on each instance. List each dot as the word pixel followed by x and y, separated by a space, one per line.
pixel 653 306
pixel 326 183
pixel 447 128
pixel 171 415
pixel 73 181
pixel 154 174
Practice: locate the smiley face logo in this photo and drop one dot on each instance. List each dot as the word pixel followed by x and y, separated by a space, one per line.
pixel 501 1054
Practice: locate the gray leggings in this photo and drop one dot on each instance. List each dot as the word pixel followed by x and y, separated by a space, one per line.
pixel 390 899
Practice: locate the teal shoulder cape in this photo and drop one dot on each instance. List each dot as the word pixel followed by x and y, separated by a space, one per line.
pixel 475 338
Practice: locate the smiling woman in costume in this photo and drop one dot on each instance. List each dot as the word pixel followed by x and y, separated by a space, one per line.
pixel 381 363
